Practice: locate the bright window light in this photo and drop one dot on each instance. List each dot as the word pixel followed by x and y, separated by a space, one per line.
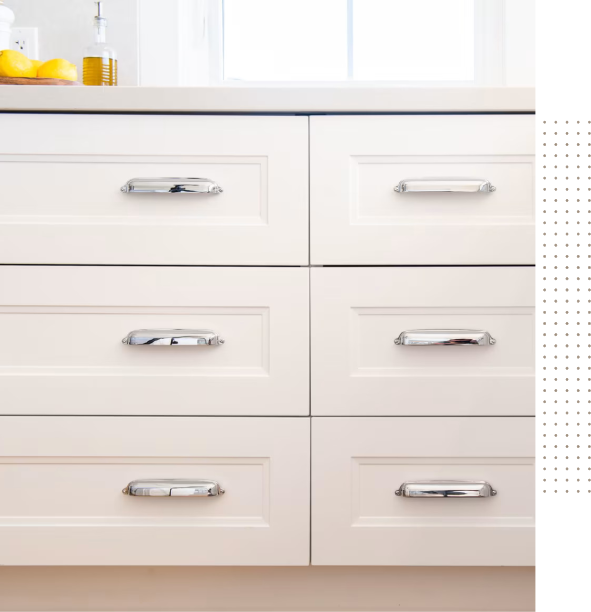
pixel 424 40
pixel 339 40
pixel 285 40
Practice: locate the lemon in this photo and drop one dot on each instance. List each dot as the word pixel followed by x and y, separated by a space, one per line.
pixel 36 64
pixel 15 64
pixel 58 69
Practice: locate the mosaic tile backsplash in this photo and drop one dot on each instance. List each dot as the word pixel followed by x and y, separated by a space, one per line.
pixel 567 473
pixel 567 353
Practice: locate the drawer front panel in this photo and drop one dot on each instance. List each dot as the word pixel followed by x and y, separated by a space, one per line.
pixel 62 349
pixel 359 463
pixel 63 201
pixel 66 477
pixel 358 314
pixel 358 218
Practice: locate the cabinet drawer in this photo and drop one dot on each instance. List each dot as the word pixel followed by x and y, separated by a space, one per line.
pixel 358 218
pixel 66 477
pixel 62 349
pixel 358 464
pixel 62 199
pixel 358 315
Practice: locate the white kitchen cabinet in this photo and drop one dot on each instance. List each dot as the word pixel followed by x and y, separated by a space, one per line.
pixel 358 465
pixel 62 200
pixel 357 217
pixel 66 478
pixel 130 367
pixel 63 326
pixel 358 315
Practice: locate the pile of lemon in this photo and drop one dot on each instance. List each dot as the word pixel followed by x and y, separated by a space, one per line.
pixel 15 64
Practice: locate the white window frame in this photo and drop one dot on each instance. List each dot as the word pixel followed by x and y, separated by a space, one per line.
pixel 194 56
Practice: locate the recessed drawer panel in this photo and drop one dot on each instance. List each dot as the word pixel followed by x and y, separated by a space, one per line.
pixel 70 503
pixel 154 341
pixel 67 196
pixel 423 341
pixel 423 491
pixel 422 190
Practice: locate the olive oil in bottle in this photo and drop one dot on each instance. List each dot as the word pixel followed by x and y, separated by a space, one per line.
pixel 99 66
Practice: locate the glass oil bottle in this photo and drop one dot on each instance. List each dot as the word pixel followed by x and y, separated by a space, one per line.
pixel 99 66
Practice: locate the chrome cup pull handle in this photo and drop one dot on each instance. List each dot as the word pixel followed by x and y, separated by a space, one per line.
pixel 444 185
pixel 429 489
pixel 444 337
pixel 171 185
pixel 172 337
pixel 173 487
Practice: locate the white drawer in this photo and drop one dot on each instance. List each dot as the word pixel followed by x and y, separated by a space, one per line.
pixel 66 477
pixel 62 200
pixel 358 218
pixel 358 464
pixel 62 350
pixel 358 313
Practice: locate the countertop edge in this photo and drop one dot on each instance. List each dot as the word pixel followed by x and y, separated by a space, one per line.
pixel 304 100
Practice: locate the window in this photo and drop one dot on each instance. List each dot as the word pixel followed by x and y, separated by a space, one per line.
pixel 284 40
pixel 449 43
pixel 353 40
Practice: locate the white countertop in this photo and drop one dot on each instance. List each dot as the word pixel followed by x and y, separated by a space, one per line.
pixel 334 99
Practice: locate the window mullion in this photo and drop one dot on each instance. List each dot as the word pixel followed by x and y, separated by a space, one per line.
pixel 489 43
pixel 350 75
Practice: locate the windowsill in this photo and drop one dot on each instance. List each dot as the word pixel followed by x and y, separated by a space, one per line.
pixel 348 84
pixel 311 98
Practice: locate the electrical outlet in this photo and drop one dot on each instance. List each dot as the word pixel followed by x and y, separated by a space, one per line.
pixel 26 41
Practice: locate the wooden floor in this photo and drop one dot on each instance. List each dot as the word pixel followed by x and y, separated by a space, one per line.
pixel 470 589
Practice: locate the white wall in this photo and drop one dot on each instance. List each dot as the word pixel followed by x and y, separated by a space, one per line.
pixel 65 29
pixel 547 43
